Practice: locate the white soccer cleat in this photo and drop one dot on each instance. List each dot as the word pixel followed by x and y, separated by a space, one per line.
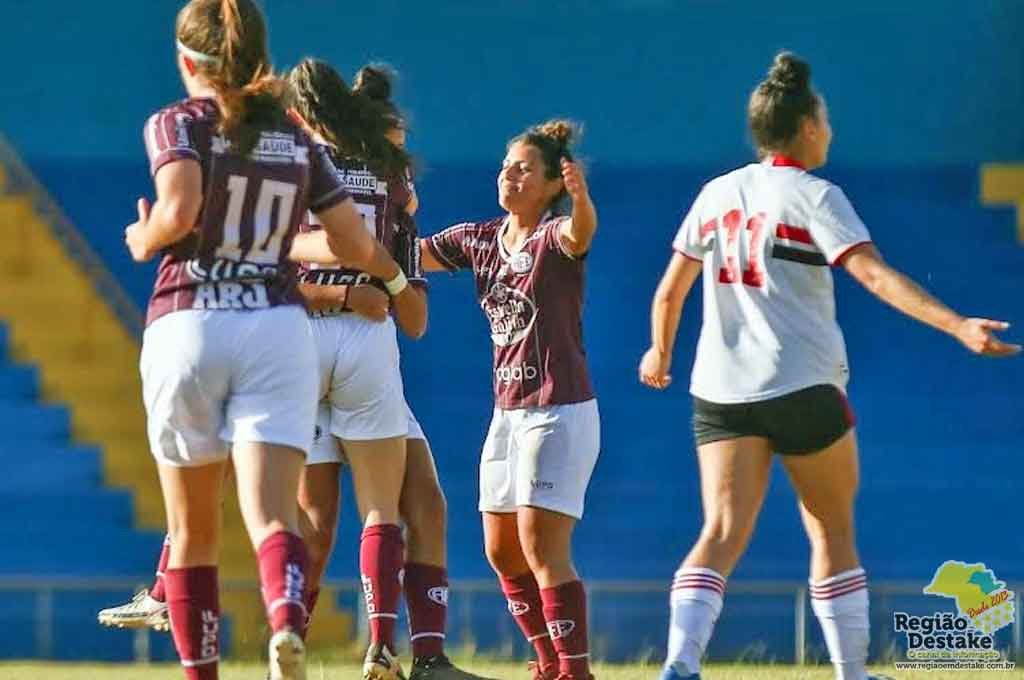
pixel 381 664
pixel 287 656
pixel 142 612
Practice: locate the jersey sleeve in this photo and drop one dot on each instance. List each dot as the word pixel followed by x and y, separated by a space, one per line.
pixel 692 240
pixel 326 183
pixel 449 247
pixel 553 237
pixel 407 250
pixel 169 137
pixel 835 226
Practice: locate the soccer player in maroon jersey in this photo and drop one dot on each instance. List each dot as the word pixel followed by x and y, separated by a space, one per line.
pixel 545 433
pixel 770 372
pixel 228 363
pixel 364 419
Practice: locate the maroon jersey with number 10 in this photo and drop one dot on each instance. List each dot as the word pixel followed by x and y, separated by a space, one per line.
pixel 236 256
pixel 533 300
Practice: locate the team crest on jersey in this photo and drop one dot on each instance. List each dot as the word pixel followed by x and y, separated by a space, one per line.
pixel 517 608
pixel 522 262
pixel 510 312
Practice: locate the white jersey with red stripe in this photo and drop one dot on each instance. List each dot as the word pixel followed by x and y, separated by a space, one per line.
pixel 766 234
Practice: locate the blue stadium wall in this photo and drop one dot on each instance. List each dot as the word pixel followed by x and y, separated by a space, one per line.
pixel 920 94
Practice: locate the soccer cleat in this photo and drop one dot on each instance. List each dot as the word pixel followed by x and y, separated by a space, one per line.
pixel 439 668
pixel 673 673
pixel 538 673
pixel 566 676
pixel 381 664
pixel 287 656
pixel 879 677
pixel 141 612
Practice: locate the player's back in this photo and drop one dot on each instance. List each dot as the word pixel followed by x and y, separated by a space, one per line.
pixel 766 234
pixel 236 257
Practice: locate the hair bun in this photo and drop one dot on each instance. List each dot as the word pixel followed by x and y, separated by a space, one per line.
pixel 563 132
pixel 374 81
pixel 789 72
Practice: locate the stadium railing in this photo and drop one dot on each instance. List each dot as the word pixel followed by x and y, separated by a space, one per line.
pixel 465 592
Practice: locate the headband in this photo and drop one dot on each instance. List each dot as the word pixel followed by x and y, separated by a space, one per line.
pixel 195 56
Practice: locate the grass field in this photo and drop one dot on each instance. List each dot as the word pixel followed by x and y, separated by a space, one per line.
pixel 499 671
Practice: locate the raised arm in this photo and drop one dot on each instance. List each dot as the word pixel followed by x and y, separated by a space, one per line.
pixel 578 231
pixel 179 191
pixel 666 310
pixel 866 265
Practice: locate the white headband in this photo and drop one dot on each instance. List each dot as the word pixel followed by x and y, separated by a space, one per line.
pixel 196 56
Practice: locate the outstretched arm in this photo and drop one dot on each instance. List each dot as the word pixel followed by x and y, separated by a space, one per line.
pixel 578 231
pixel 666 310
pixel 179 191
pixel 866 265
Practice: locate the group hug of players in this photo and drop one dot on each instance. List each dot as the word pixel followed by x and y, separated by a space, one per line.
pixel 288 260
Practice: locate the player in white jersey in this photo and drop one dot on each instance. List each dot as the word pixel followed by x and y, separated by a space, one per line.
pixel 770 372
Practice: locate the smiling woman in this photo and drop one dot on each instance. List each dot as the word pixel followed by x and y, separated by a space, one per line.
pixel 545 433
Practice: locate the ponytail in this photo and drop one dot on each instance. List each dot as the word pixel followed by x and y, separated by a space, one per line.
pixel 353 124
pixel 233 35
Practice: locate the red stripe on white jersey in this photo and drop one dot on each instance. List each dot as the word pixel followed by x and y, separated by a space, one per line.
pixel 791 233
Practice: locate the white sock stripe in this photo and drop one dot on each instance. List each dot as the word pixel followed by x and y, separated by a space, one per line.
pixel 699 578
pixel 574 656
pixel 159 574
pixel 202 662
pixel 417 636
pixel 838 586
pixel 538 637
pixel 699 585
pixel 841 577
pixel 699 571
pixel 824 588
pixel 832 595
pixel 284 602
pixel 382 615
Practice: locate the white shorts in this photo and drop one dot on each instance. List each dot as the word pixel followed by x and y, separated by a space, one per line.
pixel 327 449
pixel 360 377
pixel 211 378
pixel 542 457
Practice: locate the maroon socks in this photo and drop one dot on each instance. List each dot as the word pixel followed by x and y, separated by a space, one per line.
pixel 426 598
pixel 282 561
pixel 524 603
pixel 380 563
pixel 192 602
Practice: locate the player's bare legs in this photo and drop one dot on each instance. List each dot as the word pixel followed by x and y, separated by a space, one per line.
pixel 268 483
pixel 546 538
pixel 319 502
pixel 192 501
pixel 425 512
pixel 505 555
pixel 378 471
pixel 734 476
pixel 826 484
pixel 423 507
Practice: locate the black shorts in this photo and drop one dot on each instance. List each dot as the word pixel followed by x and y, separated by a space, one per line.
pixel 802 422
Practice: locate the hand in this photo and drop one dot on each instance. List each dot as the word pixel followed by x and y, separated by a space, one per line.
pixel 654 369
pixel 135 234
pixel 575 181
pixel 369 302
pixel 978 335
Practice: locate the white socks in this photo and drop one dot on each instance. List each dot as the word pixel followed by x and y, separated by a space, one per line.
pixel 696 602
pixel 841 605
